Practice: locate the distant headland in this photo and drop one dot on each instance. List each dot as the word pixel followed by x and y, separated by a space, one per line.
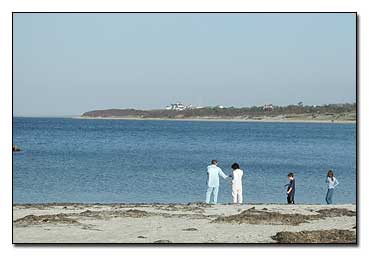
pixel 340 113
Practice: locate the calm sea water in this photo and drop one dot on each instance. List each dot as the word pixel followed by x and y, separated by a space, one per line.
pixel 72 160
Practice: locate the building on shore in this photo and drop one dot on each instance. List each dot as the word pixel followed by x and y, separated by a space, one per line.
pixel 178 106
pixel 268 107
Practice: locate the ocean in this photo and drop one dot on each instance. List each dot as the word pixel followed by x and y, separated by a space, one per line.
pixel 147 161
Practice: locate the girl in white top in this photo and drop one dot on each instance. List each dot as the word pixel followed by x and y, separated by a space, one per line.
pixel 237 183
pixel 332 182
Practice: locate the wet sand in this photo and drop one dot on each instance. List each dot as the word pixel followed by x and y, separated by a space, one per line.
pixel 183 223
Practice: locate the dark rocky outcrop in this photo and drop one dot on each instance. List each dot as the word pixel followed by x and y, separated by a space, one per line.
pixel 16 148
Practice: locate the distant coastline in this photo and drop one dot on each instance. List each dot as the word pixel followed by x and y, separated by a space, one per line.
pixel 332 113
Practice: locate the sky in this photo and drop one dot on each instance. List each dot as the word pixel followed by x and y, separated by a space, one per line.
pixel 67 64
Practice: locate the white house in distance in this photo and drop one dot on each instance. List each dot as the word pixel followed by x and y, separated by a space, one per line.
pixel 268 107
pixel 178 106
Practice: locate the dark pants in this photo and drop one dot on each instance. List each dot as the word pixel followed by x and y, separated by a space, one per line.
pixel 291 198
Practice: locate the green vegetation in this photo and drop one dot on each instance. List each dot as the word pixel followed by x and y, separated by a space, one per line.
pixel 339 112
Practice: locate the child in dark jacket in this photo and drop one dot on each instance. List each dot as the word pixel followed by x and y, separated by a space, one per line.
pixel 291 189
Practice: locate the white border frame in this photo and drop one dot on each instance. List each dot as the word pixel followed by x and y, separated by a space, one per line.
pixel 9 6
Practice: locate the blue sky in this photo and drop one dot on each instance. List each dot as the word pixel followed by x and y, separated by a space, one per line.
pixel 66 64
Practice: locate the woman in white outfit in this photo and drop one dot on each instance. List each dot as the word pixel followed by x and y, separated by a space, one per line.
pixel 237 183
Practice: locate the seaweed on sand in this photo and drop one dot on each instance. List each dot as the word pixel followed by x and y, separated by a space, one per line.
pixel 316 236
pixel 253 216
pixel 46 219
pixel 133 213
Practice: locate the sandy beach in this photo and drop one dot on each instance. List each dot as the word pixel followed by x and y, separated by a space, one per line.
pixel 183 223
pixel 265 119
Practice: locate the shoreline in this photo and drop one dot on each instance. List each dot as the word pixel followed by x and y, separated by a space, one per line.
pixel 159 204
pixel 266 120
pixel 184 223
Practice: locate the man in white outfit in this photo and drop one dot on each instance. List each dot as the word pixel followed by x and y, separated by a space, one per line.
pixel 213 181
pixel 237 183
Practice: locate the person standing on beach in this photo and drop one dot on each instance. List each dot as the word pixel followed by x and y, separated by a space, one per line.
pixel 213 172
pixel 291 189
pixel 332 182
pixel 236 183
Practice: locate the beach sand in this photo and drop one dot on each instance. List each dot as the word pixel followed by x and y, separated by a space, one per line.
pixel 183 223
pixel 277 119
